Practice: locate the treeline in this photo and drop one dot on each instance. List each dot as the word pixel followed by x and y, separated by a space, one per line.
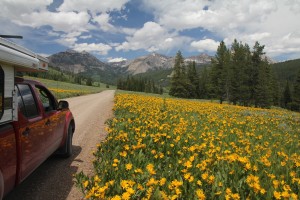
pixel 55 73
pixel 237 75
pixel 291 95
pixel 139 85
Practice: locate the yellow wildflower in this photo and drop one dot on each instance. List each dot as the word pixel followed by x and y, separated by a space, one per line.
pixel 204 176
pixel 162 181
pixel 150 168
pixel 277 195
pixel 128 166
pixel 200 194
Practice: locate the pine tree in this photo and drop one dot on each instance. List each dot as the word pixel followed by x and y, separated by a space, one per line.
pixel 204 84
pixel 179 79
pixel 237 66
pixel 287 97
pixel 220 80
pixel 239 73
pixel 245 88
pixel 256 65
pixel 89 81
pixel 296 97
pixel 275 90
pixel 263 89
pixel 193 80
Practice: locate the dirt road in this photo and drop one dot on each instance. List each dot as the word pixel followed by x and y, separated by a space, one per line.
pixel 53 180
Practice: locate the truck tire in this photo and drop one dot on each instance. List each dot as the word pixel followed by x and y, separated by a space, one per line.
pixel 66 151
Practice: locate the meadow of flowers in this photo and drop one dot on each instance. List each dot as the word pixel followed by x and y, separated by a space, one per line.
pixel 163 148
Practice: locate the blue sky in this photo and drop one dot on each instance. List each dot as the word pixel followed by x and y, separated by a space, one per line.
pixel 125 29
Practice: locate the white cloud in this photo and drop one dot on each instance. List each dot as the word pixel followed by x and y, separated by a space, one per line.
pixel 99 48
pixel 120 59
pixel 103 21
pixel 13 9
pixel 44 54
pixel 94 6
pixel 85 37
pixel 152 37
pixel 274 23
pixel 128 31
pixel 220 15
pixel 62 21
pixel 205 45
pixel 267 21
pixel 69 39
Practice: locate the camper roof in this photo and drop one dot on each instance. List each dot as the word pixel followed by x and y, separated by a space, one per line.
pixel 21 58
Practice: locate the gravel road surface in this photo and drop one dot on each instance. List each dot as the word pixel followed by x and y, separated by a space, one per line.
pixel 53 180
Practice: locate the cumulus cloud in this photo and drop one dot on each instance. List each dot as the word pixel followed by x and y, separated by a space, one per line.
pixel 152 37
pixel 62 21
pixel 85 37
pixel 189 14
pixel 94 6
pixel 99 48
pixel 71 14
pixel 35 14
pixel 120 59
pixel 205 45
pixel 13 9
pixel 267 21
pixel 103 21
pixel 271 22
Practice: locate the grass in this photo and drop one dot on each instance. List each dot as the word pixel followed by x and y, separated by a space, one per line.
pixel 64 90
pixel 165 148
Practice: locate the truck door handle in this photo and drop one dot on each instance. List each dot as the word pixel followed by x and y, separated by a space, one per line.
pixel 26 132
pixel 48 122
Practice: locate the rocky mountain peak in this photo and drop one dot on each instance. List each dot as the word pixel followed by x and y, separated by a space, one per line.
pixel 199 59
pixel 76 62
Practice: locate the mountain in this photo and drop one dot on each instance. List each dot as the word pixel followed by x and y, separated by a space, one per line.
pixel 156 62
pixel 76 62
pixel 143 64
pixel 200 59
pixel 86 65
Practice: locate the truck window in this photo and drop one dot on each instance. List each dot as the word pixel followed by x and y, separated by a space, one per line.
pixel 26 101
pixel 47 99
pixel 1 91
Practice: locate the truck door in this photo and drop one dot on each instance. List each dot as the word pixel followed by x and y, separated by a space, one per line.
pixel 31 131
pixel 54 119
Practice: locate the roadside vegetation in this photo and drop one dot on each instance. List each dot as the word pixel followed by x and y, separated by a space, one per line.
pixel 164 148
pixel 64 90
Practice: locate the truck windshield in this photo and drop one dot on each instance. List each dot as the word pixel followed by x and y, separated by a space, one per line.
pixel 1 91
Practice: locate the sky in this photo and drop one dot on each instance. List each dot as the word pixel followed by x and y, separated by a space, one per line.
pixel 115 30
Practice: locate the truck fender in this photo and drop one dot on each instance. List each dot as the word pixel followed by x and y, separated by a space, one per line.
pixel 69 120
pixel 1 185
pixel 64 149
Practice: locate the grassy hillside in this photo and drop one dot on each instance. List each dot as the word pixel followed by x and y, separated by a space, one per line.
pixel 286 70
pixel 64 90
pixel 97 76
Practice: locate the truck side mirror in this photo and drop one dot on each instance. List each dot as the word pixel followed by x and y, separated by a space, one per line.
pixel 63 105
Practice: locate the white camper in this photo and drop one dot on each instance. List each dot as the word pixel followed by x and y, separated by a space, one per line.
pixel 14 58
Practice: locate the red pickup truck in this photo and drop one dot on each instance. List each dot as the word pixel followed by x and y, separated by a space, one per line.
pixel 33 124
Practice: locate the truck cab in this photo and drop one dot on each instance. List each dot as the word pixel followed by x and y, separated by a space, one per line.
pixel 33 124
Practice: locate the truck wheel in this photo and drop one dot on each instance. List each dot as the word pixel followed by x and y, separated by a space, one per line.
pixel 66 150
